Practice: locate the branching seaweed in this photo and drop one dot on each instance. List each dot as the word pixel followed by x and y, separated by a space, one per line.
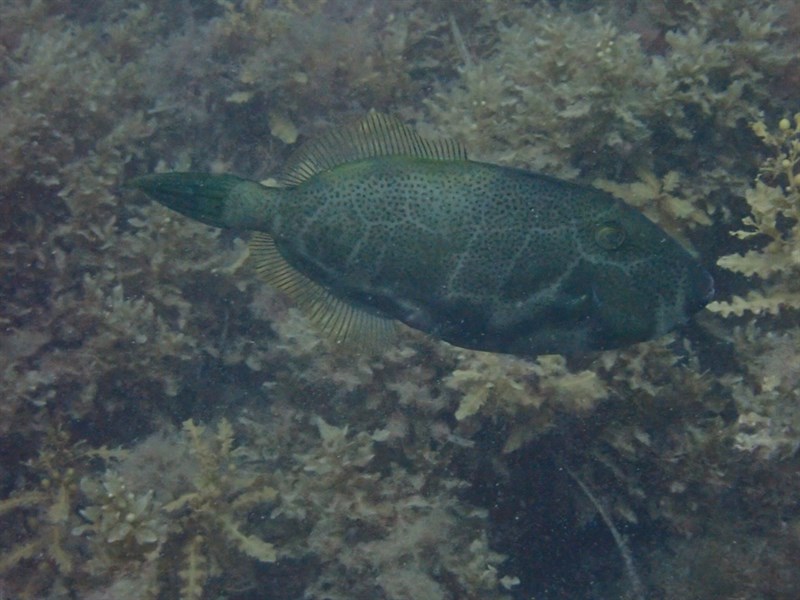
pixel 773 224
pixel 364 478
pixel 38 518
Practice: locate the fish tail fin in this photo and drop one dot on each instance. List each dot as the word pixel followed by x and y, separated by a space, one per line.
pixel 218 200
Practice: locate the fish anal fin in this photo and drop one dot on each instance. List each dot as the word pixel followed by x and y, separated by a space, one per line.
pixel 342 323
pixel 370 137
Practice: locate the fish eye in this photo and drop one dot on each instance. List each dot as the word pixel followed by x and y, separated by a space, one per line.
pixel 609 236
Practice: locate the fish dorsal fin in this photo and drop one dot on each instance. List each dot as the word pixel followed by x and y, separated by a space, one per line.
pixel 373 136
pixel 338 320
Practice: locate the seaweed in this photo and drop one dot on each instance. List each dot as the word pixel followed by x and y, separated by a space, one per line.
pixel 774 202
pixel 320 474
pixel 38 517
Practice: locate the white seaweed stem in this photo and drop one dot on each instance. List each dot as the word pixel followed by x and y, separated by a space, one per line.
pixel 624 550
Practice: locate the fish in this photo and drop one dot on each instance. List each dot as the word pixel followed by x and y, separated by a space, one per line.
pixel 372 224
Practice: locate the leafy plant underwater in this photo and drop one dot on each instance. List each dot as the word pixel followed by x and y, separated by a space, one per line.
pixel 430 471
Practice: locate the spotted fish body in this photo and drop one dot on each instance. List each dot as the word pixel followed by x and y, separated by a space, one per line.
pixel 374 224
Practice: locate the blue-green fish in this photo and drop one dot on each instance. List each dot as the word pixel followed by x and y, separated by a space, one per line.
pixel 373 224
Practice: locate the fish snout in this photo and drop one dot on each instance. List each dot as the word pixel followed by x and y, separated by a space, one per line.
pixel 701 290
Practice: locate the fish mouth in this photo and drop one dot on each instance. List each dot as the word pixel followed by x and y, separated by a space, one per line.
pixel 704 291
pixel 709 288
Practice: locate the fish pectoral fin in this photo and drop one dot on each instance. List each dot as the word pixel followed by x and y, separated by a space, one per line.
pixel 341 322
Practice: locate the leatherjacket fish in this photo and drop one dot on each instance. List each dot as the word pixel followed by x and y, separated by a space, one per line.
pixel 373 224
